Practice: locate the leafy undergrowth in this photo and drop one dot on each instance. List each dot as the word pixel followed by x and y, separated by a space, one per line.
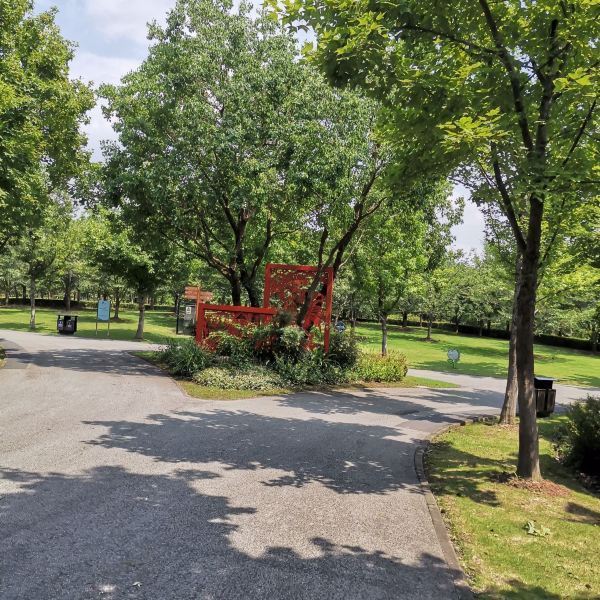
pixel 516 540
pixel 207 392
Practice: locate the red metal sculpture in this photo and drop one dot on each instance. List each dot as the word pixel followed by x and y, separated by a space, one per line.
pixel 286 287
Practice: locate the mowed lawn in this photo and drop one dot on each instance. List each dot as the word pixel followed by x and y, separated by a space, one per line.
pixel 488 514
pixel 481 356
pixel 157 327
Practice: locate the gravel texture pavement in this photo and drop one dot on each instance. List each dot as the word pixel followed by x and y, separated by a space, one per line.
pixel 114 484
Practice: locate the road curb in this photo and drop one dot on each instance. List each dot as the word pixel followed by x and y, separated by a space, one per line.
pixel 461 586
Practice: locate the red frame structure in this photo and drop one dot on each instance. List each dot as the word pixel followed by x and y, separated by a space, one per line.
pixel 286 287
pixel 222 317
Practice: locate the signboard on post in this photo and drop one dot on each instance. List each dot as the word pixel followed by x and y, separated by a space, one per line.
pixel 191 292
pixel 103 314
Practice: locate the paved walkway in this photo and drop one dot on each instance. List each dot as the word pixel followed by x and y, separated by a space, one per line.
pixel 114 484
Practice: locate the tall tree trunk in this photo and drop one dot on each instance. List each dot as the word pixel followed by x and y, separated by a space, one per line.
pixel 152 302
pixel 480 327
pixel 117 303
pixel 139 334
pixel 384 333
pixel 594 339
pixel 488 327
pixel 405 319
pixel 32 302
pixel 429 326
pixel 253 296
pixel 68 283
pixel 6 296
pixel 236 290
pixel 456 322
pixel 24 293
pixel 528 463
pixel 509 406
pixel 420 320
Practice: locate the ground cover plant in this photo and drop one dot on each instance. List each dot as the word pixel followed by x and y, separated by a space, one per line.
pixel 516 538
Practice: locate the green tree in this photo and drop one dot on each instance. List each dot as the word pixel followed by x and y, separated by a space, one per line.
pixel 121 253
pixel 282 156
pixel 41 111
pixel 508 91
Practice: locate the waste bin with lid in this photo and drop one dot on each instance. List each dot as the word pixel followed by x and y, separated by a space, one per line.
pixel 66 324
pixel 545 396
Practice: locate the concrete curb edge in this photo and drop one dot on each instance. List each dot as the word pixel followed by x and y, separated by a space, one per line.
pixel 463 591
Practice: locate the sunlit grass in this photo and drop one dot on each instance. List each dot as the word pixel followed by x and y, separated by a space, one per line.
pixel 487 518
pixel 481 355
pixel 158 325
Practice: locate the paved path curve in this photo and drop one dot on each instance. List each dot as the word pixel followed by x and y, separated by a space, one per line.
pixel 114 484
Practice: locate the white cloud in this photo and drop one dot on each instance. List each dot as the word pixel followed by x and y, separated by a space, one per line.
pixel 127 19
pixel 470 234
pixel 101 69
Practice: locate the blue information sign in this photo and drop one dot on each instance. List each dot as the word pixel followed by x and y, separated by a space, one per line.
pixel 104 310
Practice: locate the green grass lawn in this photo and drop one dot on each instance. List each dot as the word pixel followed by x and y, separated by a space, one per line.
pixel 158 325
pixel 487 518
pixel 481 356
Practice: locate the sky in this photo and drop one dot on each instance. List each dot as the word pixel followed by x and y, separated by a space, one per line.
pixel 111 40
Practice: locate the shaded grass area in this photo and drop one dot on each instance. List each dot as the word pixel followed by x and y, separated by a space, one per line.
pixel 480 355
pixel 204 392
pixel 487 516
pixel 158 325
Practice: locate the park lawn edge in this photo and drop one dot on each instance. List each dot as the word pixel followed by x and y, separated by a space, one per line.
pixel 203 392
pixel 486 516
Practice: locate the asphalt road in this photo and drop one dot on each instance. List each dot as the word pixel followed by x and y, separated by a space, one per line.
pixel 114 484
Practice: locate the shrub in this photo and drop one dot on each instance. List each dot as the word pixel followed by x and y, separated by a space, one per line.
pixel 343 350
pixel 183 357
pixel 238 349
pixel 381 369
pixel 312 368
pixel 580 443
pixel 227 378
pixel 271 342
pixel 290 342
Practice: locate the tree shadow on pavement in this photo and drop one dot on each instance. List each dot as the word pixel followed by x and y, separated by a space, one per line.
pixel 111 533
pixel 114 362
pixel 390 402
pixel 348 458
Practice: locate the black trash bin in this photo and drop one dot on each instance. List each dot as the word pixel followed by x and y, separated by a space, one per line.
pixel 545 395
pixel 66 324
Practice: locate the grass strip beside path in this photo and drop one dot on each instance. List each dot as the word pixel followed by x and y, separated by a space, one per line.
pixel 488 513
